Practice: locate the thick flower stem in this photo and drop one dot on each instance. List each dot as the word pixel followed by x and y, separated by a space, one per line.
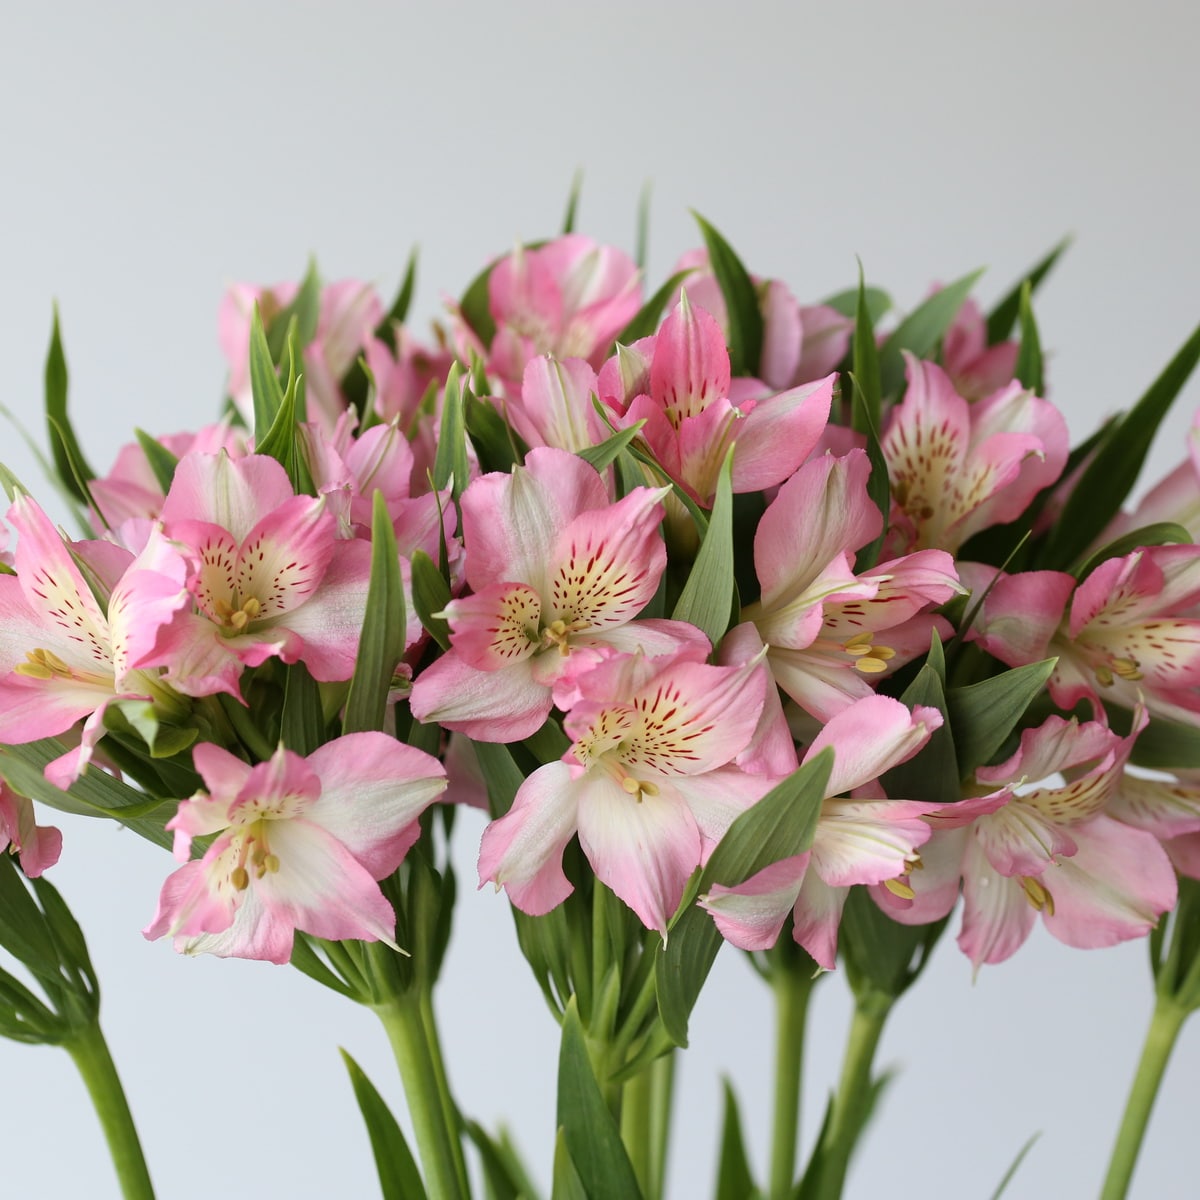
pixel 854 1090
pixel 1165 1025
pixel 645 1123
pixel 414 1043
pixel 90 1052
pixel 792 989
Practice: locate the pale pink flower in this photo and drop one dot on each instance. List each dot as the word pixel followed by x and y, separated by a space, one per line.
pixel 300 843
pixel 652 755
pixel 554 406
pixel 557 573
pixel 862 837
pixel 976 369
pixel 37 845
pixel 957 468
pixel 679 383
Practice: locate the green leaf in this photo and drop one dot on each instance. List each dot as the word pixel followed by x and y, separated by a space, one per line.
pixel 741 301
pixel 572 209
pixel 1114 469
pixel 880 954
pixel 497 445
pixel 162 461
pixel 450 463
pixel 866 367
pixel 642 239
pixel 1161 533
pixel 302 727
pixel 305 310
pixel 921 330
pixel 306 960
pixel 430 594
pixel 605 454
pixel 386 329
pixel 645 320
pixel 565 1184
pixel 1002 1186
pixel 707 598
pixel 505 1176
pixel 399 1178
pixel 1004 316
pixel 1163 745
pixel 264 381
pixel 69 462
pixel 982 715
pixel 501 774
pixel 589 1130
pixel 879 487
pixel 381 645
pixel 877 300
pixel 1029 356
pixel 734 1180
pixel 23 932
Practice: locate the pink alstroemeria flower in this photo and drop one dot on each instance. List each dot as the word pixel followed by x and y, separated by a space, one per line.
pixel 62 657
pixel 38 846
pixel 1053 845
pixel 300 844
pixel 652 753
pixel 557 572
pixel 829 631
pixel 554 407
pixel 679 383
pixel 957 468
pixel 269 577
pixel 976 369
pixel 570 298
pixel 1131 633
pixel 866 838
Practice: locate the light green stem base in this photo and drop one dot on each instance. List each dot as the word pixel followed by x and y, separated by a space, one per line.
pixel 89 1051
pixel 1164 1029
pixel 645 1123
pixel 792 989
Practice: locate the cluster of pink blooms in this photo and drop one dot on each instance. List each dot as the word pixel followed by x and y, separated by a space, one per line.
pixel 189 596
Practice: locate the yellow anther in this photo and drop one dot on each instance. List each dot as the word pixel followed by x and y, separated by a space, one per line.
pixel 1038 895
pixel 32 669
pixel 870 665
pixel 239 619
pixel 630 785
pixel 240 878
pixel 271 863
pixel 1127 668
pixel 251 606
pixel 42 664
pixel 899 888
pixel 1104 677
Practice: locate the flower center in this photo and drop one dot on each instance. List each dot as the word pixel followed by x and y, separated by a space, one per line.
pixel 236 619
pixel 869 658
pixel 254 855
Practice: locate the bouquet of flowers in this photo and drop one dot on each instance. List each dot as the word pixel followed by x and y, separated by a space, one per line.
pixel 746 620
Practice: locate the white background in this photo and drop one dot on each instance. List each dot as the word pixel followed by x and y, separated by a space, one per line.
pixel 151 154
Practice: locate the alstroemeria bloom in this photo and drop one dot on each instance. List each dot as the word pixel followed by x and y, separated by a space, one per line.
pixel 975 368
pixel 557 572
pixel 679 383
pixel 653 747
pixel 957 468
pixel 831 632
pixel 300 844
pixel 1176 498
pixel 63 658
pixel 269 576
pixel 38 846
pixel 569 297
pixel 554 407
pixel 1131 632
pixel 1044 837
pixel 861 839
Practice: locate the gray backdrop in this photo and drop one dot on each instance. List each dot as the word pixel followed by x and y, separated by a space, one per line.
pixel 153 153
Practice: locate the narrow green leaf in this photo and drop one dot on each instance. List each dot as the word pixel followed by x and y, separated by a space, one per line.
pixel 162 461
pixel 302 726
pixel 1002 1186
pixel 982 715
pixel 646 319
pixel 734 1180
pixel 707 597
pixel 605 454
pixel 1003 317
pixel 1163 745
pixel 1114 469
pixel 307 961
pixel 866 364
pixel 921 330
pixel 305 310
pixel 23 931
pixel 878 302
pixel 381 645
pixel 264 382
pixel 430 594
pixel 1029 356
pixel 932 774
pixel 590 1132
pixel 879 487
pixel 572 209
pixel 497 445
pixel 450 463
pixel 741 301
pixel 69 462
pixel 880 954
pixel 1161 533
pixel 386 329
pixel 642 239
pixel 565 1184
pixel 501 774
pixel 399 1178
pixel 496 1177
pixel 11 484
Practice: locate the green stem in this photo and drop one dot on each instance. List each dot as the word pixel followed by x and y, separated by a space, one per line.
pixel 434 1043
pixel 645 1123
pixel 90 1052
pixel 245 728
pixel 792 989
pixel 854 1088
pixel 438 1141
pixel 1165 1025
